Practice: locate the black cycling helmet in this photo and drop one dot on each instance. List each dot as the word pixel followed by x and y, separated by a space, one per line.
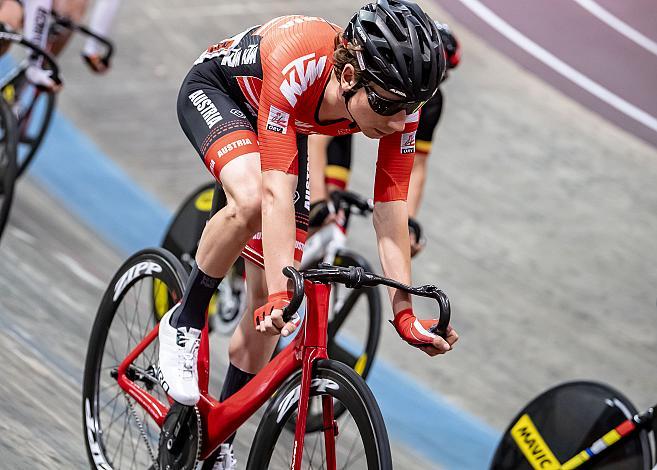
pixel 451 45
pixel 401 48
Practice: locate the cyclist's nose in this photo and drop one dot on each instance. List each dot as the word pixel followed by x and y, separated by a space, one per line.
pixel 397 121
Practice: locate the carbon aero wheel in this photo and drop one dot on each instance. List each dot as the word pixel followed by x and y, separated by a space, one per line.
pixel 34 116
pixel 118 433
pixel 354 329
pixel 361 441
pixel 8 137
pixel 565 420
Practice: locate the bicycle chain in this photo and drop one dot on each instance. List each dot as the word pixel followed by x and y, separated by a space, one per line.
pixel 156 465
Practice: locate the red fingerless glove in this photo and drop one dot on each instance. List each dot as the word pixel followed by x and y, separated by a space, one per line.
pixel 412 330
pixel 274 301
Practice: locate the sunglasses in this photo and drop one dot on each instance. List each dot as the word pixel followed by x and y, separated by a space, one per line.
pixel 386 107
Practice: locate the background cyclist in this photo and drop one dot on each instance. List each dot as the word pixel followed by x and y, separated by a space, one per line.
pixel 247 106
pixel 37 26
pixel 331 157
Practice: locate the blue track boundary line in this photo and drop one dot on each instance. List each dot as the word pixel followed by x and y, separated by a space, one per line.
pixel 92 187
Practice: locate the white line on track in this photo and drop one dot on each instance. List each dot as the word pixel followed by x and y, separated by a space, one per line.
pixel 79 271
pixel 619 25
pixel 522 41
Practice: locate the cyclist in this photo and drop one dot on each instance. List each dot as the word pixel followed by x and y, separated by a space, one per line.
pixel 247 106
pixel 331 156
pixel 37 28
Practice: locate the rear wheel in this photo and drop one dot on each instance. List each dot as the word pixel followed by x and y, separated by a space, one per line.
pixel 8 139
pixel 361 440
pixel 119 434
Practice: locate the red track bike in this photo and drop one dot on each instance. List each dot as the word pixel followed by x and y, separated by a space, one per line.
pixel 129 422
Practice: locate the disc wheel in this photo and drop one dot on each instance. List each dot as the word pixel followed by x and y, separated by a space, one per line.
pixel 565 420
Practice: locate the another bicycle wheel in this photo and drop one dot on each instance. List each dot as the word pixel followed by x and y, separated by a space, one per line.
pixel 8 139
pixel 34 110
pixel 564 421
pixel 118 433
pixel 361 440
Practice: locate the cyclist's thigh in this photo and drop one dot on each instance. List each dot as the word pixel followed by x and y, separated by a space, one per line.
pixel 217 128
pixel 253 251
pixel 73 9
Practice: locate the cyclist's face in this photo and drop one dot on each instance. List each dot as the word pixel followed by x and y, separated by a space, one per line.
pixel 372 124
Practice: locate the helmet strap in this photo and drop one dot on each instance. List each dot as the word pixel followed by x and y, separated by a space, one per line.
pixel 347 95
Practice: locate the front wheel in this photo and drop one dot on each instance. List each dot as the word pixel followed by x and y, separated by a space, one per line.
pixel 361 439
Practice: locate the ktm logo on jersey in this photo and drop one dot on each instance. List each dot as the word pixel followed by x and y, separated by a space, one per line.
pixel 301 73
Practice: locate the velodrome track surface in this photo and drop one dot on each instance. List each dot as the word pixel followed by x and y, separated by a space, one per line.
pixel 540 216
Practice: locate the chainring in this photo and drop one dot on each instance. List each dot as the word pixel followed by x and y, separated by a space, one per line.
pixel 181 452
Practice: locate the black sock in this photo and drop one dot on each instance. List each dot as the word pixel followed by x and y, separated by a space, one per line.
pixel 198 292
pixel 235 380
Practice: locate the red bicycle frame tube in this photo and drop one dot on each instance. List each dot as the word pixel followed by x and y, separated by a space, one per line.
pixel 221 419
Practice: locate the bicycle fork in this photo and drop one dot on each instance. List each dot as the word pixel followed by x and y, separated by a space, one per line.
pixel 315 338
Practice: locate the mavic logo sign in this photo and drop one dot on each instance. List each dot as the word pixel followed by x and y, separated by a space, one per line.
pixel 301 73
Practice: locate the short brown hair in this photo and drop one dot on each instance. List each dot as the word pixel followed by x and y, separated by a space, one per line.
pixel 345 53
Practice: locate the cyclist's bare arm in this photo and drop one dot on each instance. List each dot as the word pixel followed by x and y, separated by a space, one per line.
pixel 390 223
pixel 100 23
pixel 278 238
pixel 36 25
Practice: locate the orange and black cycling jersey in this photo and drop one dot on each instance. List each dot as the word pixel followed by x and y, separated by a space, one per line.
pixel 279 72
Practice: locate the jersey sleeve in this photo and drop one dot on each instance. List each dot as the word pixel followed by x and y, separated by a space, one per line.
pixel 395 162
pixel 276 131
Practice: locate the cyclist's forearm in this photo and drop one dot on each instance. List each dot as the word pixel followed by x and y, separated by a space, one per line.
pixel 391 225
pixel 36 22
pixel 317 158
pixel 100 23
pixel 278 227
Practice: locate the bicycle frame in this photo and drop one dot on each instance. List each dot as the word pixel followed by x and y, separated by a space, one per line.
pixel 618 434
pixel 221 419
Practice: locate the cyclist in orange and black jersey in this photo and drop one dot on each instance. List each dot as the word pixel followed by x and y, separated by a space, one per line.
pixel 247 106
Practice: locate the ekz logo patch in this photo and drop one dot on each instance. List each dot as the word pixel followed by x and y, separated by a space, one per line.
pixel 277 120
pixel 408 143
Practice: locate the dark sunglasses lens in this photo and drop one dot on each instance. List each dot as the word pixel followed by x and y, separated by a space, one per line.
pixel 385 107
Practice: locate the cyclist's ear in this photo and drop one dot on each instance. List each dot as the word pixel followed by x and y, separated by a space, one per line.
pixel 348 78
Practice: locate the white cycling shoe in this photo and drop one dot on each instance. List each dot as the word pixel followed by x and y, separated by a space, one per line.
pixel 226 458
pixel 178 371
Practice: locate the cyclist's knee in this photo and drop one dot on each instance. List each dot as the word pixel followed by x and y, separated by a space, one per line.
pixel 246 211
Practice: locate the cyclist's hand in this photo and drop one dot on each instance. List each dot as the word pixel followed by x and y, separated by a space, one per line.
pixel 416 333
pixel 268 319
pixel 42 79
pixel 96 63
pixel 418 242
